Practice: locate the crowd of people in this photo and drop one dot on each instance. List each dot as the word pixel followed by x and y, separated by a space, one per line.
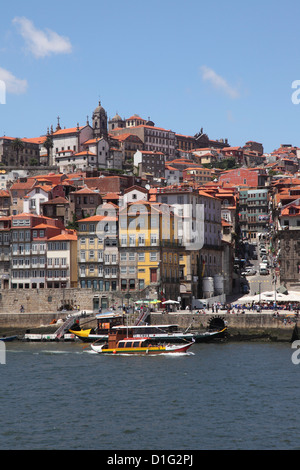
pixel 275 307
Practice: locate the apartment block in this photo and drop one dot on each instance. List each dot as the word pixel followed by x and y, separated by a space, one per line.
pixel 149 250
pixel 30 235
pixel 98 255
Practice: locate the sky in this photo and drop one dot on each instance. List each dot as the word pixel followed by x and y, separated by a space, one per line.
pixel 227 67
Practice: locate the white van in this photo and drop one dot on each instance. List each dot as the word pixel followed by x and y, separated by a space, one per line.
pixel 197 303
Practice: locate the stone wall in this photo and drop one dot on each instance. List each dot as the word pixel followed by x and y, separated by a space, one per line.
pixel 46 300
pixel 240 326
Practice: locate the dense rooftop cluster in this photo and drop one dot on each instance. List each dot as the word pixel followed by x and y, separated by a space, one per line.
pixel 123 206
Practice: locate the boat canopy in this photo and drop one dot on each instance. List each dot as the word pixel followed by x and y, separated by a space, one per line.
pixel 146 327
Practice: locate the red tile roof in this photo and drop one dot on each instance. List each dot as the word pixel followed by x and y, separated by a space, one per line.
pixel 70 130
pixel 64 236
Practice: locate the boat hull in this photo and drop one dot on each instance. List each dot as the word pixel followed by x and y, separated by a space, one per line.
pixel 150 350
pixel 210 336
pixel 87 337
pixel 8 338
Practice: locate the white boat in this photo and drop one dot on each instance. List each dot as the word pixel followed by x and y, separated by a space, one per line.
pixel 170 333
pixel 48 337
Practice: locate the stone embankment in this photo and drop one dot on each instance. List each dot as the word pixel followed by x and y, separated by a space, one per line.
pixel 242 326
pixel 248 326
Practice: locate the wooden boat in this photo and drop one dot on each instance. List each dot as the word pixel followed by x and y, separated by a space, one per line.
pixel 120 343
pixel 109 322
pixel 105 322
pixel 207 336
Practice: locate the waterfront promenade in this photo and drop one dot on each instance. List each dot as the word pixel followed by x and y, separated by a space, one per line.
pixel 248 325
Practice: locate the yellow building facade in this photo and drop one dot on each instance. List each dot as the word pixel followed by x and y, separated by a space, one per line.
pixel 149 250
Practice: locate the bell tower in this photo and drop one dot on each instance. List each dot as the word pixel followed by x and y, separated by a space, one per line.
pixel 100 121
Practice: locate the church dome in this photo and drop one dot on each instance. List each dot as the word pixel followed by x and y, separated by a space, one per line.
pixel 99 108
pixel 117 118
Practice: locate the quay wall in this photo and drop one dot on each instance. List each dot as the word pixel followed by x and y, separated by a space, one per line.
pixel 42 306
pixel 240 326
pixel 259 326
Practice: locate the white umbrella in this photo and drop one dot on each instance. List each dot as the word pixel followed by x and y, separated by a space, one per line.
pixel 170 302
pixel 292 296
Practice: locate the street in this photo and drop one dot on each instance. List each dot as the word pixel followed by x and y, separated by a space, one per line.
pixel 260 283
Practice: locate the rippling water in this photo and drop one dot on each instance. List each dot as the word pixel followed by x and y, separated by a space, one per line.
pixel 219 396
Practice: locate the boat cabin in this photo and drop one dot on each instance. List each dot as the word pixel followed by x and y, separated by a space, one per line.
pixel 107 321
pixel 133 343
pixel 123 339
pixel 146 330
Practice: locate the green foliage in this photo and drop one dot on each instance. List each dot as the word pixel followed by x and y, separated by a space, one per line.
pixel 226 164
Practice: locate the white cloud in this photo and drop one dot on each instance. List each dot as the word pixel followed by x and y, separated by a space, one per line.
pixel 218 82
pixel 42 43
pixel 13 84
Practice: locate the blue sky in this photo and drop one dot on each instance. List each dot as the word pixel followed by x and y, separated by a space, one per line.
pixel 225 66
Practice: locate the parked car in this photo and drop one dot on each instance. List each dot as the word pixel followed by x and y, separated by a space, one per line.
pixel 250 272
pixel 264 271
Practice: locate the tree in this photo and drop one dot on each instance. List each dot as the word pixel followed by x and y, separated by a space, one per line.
pixel 48 144
pixel 33 162
pixel 17 145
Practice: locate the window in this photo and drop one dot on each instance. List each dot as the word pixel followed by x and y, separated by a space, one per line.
pixel 142 240
pixel 153 240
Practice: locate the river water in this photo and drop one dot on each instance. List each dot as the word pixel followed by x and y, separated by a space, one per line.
pixel 219 396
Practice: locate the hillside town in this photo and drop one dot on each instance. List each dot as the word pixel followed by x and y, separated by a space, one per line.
pixel 112 206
